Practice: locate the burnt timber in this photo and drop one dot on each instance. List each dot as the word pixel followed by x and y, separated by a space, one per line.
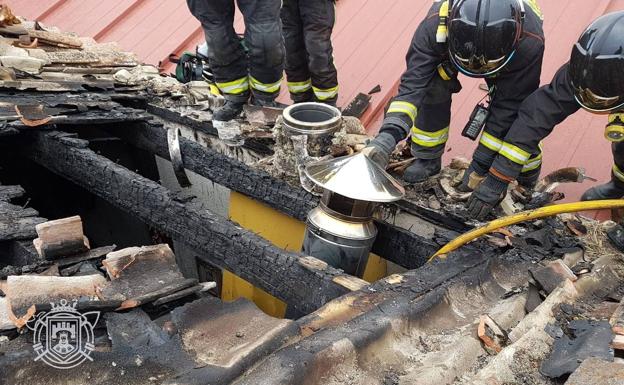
pixel 16 222
pixel 124 116
pixel 304 283
pixel 395 244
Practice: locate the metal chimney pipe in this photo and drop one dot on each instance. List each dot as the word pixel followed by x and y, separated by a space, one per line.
pixel 340 231
pixel 317 121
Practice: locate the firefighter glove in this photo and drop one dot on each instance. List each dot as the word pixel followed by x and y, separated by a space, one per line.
pixel 486 197
pixel 380 148
pixel 473 176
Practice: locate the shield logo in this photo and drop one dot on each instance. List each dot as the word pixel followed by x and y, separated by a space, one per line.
pixel 63 338
pixel 63 335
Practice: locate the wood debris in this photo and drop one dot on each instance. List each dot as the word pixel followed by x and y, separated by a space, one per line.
pixel 27 293
pixel 132 272
pixel 61 238
pixel 617 319
pixel 7 18
pixel 492 335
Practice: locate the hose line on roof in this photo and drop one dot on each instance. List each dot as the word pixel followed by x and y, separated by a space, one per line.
pixel 524 216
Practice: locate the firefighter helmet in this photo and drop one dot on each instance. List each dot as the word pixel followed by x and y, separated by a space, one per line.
pixel 597 65
pixel 483 34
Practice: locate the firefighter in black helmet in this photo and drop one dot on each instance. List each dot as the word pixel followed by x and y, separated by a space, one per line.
pixel 499 40
pixel 593 79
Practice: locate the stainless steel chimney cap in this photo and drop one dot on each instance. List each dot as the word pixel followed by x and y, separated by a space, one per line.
pixel 356 177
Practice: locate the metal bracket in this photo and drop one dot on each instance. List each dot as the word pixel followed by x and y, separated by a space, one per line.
pixel 175 154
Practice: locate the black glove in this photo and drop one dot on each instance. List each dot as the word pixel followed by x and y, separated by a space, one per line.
pixel 477 171
pixel 380 148
pixel 486 197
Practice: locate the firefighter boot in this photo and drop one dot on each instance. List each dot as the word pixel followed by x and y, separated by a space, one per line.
pixel 230 110
pixel 266 101
pixel 422 169
pixel 611 190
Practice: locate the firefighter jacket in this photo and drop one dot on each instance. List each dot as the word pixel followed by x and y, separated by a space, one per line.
pixel 512 84
pixel 538 115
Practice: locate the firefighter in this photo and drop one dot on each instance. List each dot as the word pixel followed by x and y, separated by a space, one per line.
pixel 593 79
pixel 243 69
pixel 500 41
pixel 310 69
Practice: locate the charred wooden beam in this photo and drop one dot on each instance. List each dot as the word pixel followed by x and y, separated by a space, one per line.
pixel 393 243
pixel 16 222
pixel 9 192
pixel 304 286
pixel 205 127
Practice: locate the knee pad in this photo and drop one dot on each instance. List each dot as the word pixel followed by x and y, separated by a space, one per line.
pixel 266 44
pixel 224 47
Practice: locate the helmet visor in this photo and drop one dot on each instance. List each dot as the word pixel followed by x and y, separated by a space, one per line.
pixel 598 80
pixel 591 101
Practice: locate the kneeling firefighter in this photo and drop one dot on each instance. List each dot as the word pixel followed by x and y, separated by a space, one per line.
pixel 593 79
pixel 499 40
pixel 238 72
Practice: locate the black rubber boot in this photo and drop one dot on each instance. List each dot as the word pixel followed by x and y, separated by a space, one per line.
pixel 422 169
pixel 230 110
pixel 303 97
pixel 609 190
pixel 267 102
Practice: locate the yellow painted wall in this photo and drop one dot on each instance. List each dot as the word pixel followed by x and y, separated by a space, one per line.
pixel 284 232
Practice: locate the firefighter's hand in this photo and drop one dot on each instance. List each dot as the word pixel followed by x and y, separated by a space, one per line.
pixel 380 148
pixel 473 177
pixel 486 197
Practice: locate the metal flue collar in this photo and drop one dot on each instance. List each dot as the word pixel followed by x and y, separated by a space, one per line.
pixel 356 177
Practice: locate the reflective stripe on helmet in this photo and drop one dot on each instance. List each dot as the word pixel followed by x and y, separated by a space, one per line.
pixel 535 7
pixel 429 139
pixel 235 87
pixel 404 108
pixel 442 32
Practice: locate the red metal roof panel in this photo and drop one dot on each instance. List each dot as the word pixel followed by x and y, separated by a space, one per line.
pixel 371 38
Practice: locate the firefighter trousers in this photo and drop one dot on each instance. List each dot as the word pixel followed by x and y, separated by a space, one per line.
pixel 256 64
pixel 310 68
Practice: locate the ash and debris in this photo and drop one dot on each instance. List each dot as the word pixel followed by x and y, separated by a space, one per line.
pixel 293 153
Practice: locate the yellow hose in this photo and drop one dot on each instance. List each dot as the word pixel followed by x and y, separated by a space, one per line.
pixel 542 212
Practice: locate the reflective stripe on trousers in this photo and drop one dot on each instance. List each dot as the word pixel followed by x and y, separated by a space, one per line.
pixel 270 88
pixel 235 87
pixel 300 87
pixel 430 139
pixel 325 94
